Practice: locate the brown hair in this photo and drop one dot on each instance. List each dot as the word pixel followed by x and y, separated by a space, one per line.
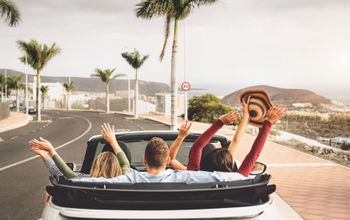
pixel 218 160
pixel 105 165
pixel 156 152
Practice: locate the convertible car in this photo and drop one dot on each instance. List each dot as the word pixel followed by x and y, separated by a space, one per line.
pixel 246 199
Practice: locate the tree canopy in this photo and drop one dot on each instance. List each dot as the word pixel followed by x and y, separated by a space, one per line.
pixel 206 108
pixel 10 12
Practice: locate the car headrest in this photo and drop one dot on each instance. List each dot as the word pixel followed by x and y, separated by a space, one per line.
pixel 123 146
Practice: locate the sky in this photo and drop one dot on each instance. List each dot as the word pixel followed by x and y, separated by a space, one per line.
pixel 238 43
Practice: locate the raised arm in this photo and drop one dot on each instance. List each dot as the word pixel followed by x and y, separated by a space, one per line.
pixel 47 146
pixel 273 115
pixel 241 129
pixel 108 134
pixel 202 141
pixel 48 162
pixel 183 132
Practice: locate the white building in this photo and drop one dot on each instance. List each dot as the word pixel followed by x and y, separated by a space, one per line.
pixel 163 104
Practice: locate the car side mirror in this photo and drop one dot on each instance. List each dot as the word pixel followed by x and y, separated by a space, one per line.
pixel 71 165
pixel 258 168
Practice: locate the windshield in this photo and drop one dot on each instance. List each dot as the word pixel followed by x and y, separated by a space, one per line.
pixel 137 149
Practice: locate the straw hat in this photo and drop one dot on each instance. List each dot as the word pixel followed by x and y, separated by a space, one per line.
pixel 258 105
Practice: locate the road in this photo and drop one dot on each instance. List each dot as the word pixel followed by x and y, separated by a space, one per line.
pixel 23 182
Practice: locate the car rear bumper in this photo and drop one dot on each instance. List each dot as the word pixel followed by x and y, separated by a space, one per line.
pixel 257 212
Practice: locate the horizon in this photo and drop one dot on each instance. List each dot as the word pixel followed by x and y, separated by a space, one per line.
pixel 336 93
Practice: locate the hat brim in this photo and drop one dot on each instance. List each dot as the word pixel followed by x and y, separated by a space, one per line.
pixel 259 105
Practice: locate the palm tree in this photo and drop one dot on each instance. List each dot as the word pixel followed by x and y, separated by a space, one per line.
pixel 136 61
pixel 15 83
pixel 172 10
pixel 105 76
pixel 44 90
pixel 9 10
pixel 68 87
pixel 37 56
pixel 2 85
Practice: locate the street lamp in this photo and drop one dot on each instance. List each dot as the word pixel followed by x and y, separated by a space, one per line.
pixel 26 98
pixel 129 104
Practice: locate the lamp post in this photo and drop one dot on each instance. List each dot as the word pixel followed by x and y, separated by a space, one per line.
pixel 26 98
pixel 5 99
pixel 129 104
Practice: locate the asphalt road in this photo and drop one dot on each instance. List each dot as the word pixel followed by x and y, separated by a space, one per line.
pixel 22 184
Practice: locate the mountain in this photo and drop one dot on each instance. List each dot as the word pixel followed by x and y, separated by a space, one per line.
pixel 96 85
pixel 280 96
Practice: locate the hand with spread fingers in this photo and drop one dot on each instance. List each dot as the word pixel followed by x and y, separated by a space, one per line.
pixel 42 145
pixel 229 118
pixel 108 133
pixel 275 114
pixel 245 105
pixel 185 129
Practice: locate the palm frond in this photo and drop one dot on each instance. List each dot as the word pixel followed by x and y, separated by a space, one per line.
pixel 134 58
pixel 166 37
pixel 69 86
pixel 9 10
pixel 147 8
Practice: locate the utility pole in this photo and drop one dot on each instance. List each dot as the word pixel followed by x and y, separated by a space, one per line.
pixel 129 104
pixel 26 99
pixel 5 85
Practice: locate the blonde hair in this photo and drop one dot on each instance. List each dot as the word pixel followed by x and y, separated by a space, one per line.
pixel 105 165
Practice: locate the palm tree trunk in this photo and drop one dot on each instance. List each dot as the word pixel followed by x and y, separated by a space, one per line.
pixel 38 110
pixel 107 97
pixel 173 87
pixel 17 101
pixel 2 94
pixel 68 102
pixel 43 100
pixel 136 96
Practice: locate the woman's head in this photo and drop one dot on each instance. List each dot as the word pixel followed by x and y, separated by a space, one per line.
pixel 218 160
pixel 106 165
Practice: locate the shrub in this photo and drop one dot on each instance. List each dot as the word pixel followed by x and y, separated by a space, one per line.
pixel 345 146
pixel 206 108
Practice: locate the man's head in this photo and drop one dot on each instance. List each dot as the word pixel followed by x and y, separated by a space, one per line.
pixel 156 153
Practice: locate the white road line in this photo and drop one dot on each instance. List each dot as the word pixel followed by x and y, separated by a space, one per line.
pixel 301 165
pixel 62 145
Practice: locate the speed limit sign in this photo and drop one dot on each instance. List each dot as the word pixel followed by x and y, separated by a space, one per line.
pixel 185 86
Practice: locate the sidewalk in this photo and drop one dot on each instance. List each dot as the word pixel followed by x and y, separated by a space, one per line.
pixel 15 120
pixel 315 188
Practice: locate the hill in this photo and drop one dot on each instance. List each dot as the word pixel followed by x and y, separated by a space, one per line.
pixel 96 85
pixel 280 96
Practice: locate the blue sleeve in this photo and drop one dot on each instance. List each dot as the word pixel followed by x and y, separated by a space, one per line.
pixel 51 166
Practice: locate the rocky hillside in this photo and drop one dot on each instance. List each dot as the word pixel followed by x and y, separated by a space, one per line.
pixel 96 85
pixel 280 96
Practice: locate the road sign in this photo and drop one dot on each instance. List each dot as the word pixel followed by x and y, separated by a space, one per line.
pixel 185 86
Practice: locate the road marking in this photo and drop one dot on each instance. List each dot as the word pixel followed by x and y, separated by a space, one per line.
pixel 64 118
pixel 301 165
pixel 61 146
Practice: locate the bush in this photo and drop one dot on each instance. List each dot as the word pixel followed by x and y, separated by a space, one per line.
pixel 345 146
pixel 206 108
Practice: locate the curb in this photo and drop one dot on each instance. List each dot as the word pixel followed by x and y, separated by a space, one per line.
pixel 156 120
pixel 18 125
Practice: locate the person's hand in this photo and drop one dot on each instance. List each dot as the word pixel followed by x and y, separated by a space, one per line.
pixel 274 114
pixel 229 118
pixel 42 145
pixel 108 133
pixel 245 105
pixel 37 151
pixel 185 129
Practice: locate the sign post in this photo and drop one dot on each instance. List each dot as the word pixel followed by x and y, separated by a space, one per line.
pixel 186 86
